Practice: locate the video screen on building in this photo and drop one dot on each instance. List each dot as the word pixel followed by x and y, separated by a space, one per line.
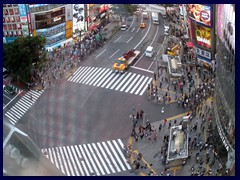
pixel 50 19
pixel 200 13
pixel 203 36
pixel 78 17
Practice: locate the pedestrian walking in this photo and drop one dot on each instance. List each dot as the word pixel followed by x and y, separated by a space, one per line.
pixel 169 125
pixel 160 127
pixel 164 122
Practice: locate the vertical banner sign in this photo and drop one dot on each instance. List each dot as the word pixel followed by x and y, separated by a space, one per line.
pixel 23 18
pixel 29 19
pixel 78 17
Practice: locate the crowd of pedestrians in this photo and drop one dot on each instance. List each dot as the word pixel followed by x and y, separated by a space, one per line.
pixel 62 60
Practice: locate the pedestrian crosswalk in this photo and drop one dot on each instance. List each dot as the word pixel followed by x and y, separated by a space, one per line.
pixel 95 159
pixel 105 78
pixel 22 106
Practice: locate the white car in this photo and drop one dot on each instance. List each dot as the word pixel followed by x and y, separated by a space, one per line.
pixel 166 32
pixel 124 27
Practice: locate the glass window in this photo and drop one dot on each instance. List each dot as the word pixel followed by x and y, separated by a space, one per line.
pixel 5 27
pixel 11 11
pixel 12 19
pixel 16 11
pixel 6 12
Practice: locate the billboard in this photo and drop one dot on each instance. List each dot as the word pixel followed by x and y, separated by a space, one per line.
pixel 78 17
pixel 226 25
pixel 23 19
pixel 37 5
pixel 203 36
pixel 200 13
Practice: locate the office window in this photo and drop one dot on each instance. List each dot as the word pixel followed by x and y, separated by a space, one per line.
pixel 12 19
pixel 16 11
pixel 19 26
pixel 9 27
pixel 5 11
pixel 11 11
pixel 4 27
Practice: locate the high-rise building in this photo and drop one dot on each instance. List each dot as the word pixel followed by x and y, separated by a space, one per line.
pixel 224 99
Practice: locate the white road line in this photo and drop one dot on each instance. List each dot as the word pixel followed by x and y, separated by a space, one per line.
pixel 76 72
pixel 73 162
pixel 82 74
pixel 154 36
pixel 150 65
pixel 122 76
pixel 7 96
pixel 98 79
pixel 116 155
pixel 106 73
pixel 50 154
pixel 138 29
pixel 106 158
pixel 109 78
pixel 129 87
pixel 77 160
pixel 145 80
pixel 125 78
pixel 121 154
pixel 93 75
pixel 82 162
pixel 85 77
pixel 100 53
pixel 79 74
pixel 111 157
pixel 132 29
pixel 12 99
pixel 96 160
pixel 12 119
pixel 114 53
pixel 131 23
pixel 86 159
pixel 101 159
pixel 98 74
pixel 129 39
pixel 144 89
pixel 136 85
pixel 64 161
pixel 60 160
pixel 68 160
pixel 141 69
pixel 113 80
pixel 90 158
pixel 55 158
pixel 129 81
pixel 117 39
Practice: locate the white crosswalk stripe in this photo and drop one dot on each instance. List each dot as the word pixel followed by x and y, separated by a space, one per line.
pixel 21 107
pixel 106 78
pixel 99 158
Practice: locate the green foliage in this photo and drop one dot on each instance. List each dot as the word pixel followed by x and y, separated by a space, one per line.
pixel 20 54
pixel 130 8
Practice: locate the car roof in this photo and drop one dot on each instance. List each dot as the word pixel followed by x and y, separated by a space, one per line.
pixel 149 48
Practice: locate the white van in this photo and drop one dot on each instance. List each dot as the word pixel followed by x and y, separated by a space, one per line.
pixel 149 51
pixel 124 27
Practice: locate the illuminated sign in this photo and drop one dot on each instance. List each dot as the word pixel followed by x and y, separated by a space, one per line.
pixel 200 13
pixel 203 53
pixel 57 18
pixel 203 36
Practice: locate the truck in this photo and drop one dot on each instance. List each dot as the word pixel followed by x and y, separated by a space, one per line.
pixel 123 63
pixel 172 52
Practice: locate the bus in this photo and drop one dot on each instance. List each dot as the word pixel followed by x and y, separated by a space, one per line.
pixel 155 18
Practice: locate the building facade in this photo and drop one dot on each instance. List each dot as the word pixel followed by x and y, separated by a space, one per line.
pixel 224 99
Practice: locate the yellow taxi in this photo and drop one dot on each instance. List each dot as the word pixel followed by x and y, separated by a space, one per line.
pixel 142 25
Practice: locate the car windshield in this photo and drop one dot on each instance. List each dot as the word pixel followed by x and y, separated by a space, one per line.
pixel 119 62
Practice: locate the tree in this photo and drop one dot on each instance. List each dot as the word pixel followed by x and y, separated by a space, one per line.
pixel 130 8
pixel 20 55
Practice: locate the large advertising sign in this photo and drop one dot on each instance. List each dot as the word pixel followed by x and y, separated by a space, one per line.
pixel 200 13
pixel 203 36
pixel 23 18
pixel 36 5
pixel 78 17
pixel 226 25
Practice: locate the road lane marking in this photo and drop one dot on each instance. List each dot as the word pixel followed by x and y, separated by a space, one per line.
pixel 150 65
pixel 7 96
pixel 142 85
pixel 100 53
pixel 129 81
pixel 73 162
pixel 144 35
pixel 138 29
pixel 141 69
pixel 90 76
pixel 12 99
pixel 133 83
pixel 64 161
pixel 95 77
pixel 133 29
pixel 129 39
pixel 144 89
pixel 126 77
pixel 136 84
pixel 76 160
pixel 122 76
pixel 100 78
pixel 131 23
pixel 154 36
pixel 117 39
pixel 86 159
pixel 114 53
pixel 68 161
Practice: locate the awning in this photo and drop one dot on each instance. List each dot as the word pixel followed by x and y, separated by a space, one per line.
pixel 189 44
